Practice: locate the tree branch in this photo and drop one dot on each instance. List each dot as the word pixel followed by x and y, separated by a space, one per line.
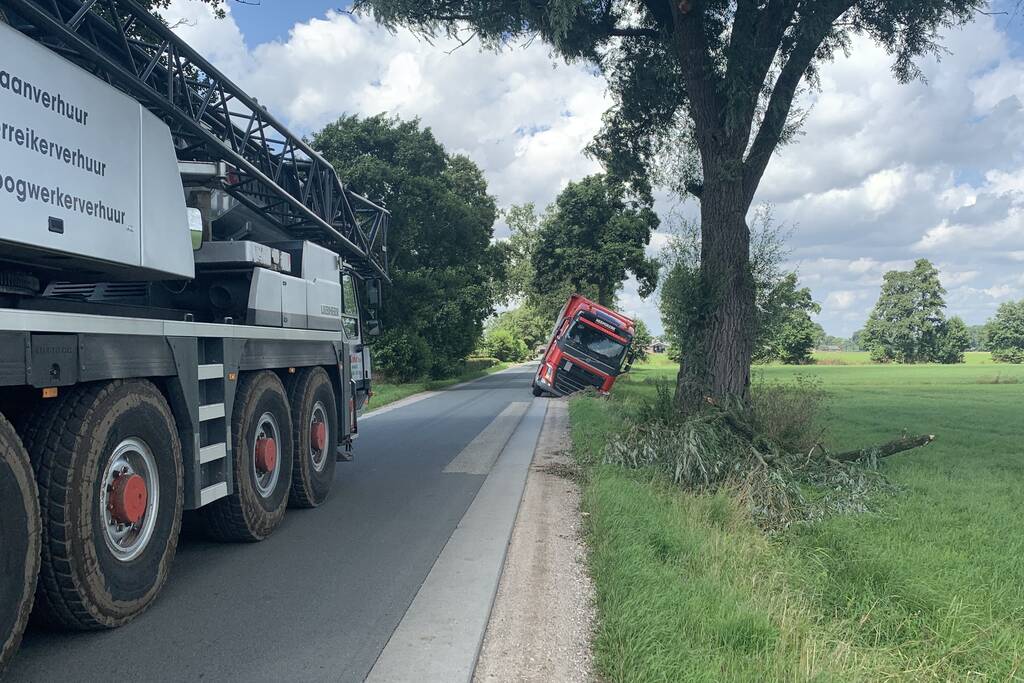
pixel 703 83
pixel 660 12
pixel 886 449
pixel 756 36
pixel 814 28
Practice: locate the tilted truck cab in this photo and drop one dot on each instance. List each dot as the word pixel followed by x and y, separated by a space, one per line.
pixel 588 348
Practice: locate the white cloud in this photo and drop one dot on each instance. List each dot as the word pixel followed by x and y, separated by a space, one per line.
pixel 841 300
pixel 887 173
pixel 521 116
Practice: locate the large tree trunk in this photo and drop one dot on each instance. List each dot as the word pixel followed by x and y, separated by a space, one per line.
pixel 721 338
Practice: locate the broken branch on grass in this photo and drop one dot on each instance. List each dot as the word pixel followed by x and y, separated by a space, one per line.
pixel 886 449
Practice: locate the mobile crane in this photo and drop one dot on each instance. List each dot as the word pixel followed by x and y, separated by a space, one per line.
pixel 185 292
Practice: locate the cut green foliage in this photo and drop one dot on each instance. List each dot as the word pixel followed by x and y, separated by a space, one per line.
pixel 769 457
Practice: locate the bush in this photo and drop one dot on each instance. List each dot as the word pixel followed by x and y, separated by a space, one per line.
pixel 790 415
pixel 402 356
pixel 501 344
pixel 1008 355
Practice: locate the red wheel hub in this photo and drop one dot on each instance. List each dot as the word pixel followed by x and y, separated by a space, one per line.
pixel 266 455
pixel 318 435
pixel 128 498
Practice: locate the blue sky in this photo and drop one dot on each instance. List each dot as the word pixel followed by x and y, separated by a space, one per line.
pixel 272 19
pixel 883 173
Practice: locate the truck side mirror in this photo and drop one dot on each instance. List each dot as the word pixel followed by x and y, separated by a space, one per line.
pixel 195 227
pixel 374 296
pixel 372 328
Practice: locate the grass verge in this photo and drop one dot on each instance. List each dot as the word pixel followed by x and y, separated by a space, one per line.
pixel 388 392
pixel 929 588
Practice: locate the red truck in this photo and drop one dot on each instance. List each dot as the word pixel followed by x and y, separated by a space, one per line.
pixel 588 348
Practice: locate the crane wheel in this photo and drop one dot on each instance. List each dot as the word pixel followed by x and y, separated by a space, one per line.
pixel 315 422
pixel 19 541
pixel 109 467
pixel 261 428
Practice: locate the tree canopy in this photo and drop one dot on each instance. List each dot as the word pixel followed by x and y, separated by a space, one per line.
pixel 1005 333
pixel 788 333
pixel 592 237
pixel 714 82
pixel 908 323
pixel 446 271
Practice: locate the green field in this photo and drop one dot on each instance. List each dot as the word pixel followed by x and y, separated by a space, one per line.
pixel 385 392
pixel 930 586
pixel 864 358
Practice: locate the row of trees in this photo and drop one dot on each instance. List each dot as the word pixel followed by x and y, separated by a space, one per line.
pixel 704 94
pixel 450 274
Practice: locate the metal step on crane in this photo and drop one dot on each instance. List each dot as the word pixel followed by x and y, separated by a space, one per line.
pixel 274 173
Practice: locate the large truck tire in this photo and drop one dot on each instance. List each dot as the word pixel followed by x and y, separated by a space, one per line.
pixel 19 541
pixel 315 428
pixel 111 488
pixel 261 430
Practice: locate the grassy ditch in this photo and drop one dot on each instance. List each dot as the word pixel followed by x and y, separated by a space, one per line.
pixel 929 585
pixel 385 392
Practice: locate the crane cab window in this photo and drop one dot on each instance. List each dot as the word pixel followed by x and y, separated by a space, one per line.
pixel 349 307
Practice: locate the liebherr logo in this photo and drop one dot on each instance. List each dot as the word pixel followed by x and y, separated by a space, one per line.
pixel 326 309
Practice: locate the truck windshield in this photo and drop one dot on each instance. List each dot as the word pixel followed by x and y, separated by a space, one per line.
pixel 597 343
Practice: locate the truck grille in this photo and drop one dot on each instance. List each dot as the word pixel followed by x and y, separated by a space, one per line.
pixel 576 379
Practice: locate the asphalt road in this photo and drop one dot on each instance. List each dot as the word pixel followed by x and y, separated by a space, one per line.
pixel 320 598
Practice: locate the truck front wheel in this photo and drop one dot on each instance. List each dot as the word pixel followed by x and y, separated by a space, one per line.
pixel 109 467
pixel 262 431
pixel 315 421
pixel 19 541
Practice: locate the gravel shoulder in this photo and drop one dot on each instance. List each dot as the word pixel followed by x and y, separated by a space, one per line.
pixel 543 615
